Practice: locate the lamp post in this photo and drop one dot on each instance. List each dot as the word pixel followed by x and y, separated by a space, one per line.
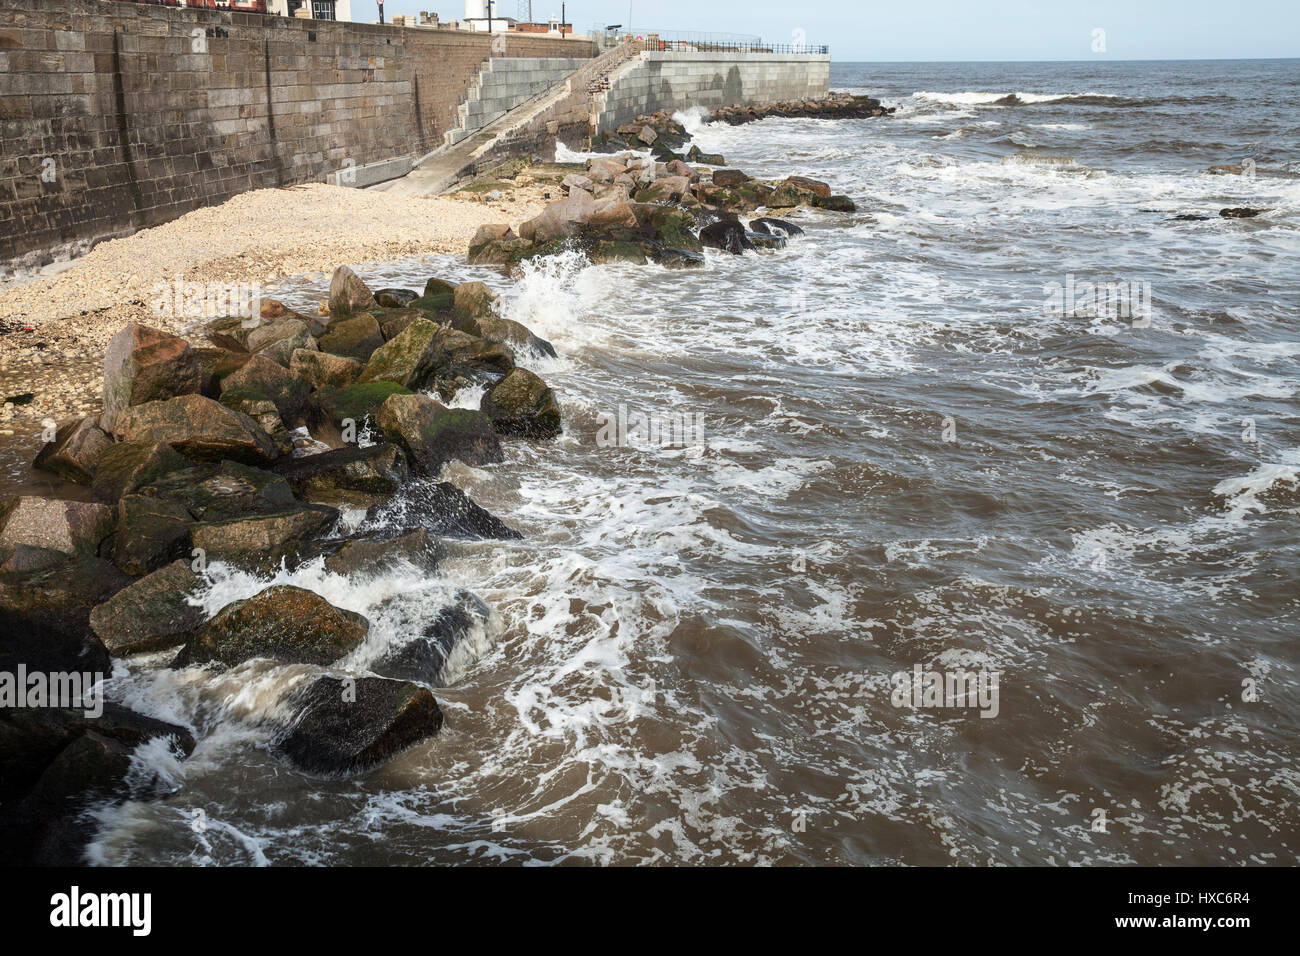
pixel 381 10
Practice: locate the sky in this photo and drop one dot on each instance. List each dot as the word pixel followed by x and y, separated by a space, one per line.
pixel 946 29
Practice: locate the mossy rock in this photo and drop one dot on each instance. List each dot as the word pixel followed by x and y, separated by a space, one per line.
pixel 835 203
pixel 606 251
pixel 335 405
pixel 439 287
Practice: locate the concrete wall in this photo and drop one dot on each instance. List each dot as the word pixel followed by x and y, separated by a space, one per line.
pixel 117 116
pixel 675 81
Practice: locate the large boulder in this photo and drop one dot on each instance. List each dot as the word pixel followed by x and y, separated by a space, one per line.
pixel 348 293
pixel 197 427
pixel 442 509
pixel 726 234
pixel 730 177
pixel 343 725
pixel 45 616
pixel 490 328
pixel 129 465
pixel 429 641
pixel 72 527
pixel 559 220
pixel 59 763
pixel 432 434
pixel 214 492
pixel 474 299
pixel 284 623
pixel 613 214
pixel 522 404
pixel 261 379
pixel 665 189
pixel 395 298
pixel 278 340
pixel 404 358
pixel 355 338
pixel 767 226
pixel 150 614
pixel 145 365
pixel 334 407
pixel 812 187
pixel 367 555
pixel 151 532
pixel 75 451
pixel 263 542
pixel 353 475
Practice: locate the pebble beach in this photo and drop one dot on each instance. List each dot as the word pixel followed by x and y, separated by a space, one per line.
pixel 53 328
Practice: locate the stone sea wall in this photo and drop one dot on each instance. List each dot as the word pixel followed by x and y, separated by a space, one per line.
pixel 119 116
pixel 670 81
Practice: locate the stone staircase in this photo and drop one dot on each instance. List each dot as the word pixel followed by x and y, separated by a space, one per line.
pixel 503 84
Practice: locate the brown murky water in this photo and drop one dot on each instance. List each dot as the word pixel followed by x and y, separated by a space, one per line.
pixel 904 462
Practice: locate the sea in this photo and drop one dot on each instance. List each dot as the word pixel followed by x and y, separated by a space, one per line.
pixel 964 530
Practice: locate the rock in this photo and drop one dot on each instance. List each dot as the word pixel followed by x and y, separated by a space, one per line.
pixel 214 365
pixel 59 763
pixel 677 258
pixel 404 358
pixel 72 527
pixel 805 185
pixel 665 189
pixel 197 427
pixel 613 214
pixel 75 451
pixel 507 331
pixel 323 370
pixel 775 227
pixel 522 404
pixel 357 403
pixel 348 293
pixel 277 340
pixel 678 168
pixel 432 434
pixel 601 170
pixel 577 181
pixel 263 542
pixel 45 616
pixel 213 492
pixel 674 228
pixel 129 465
pixel 498 252
pixel 283 623
pixel 361 476
pixel 366 555
pixel 343 726
pixel 355 338
pixel 765 240
pixel 151 532
pixel 437 287
pixel 475 299
pixel 145 365
pixel 606 251
pixel 835 203
pixel 1241 212
pixel 25 557
pixel 486 233
pixel 646 135
pixel 424 656
pixel 444 510
pixel 150 614
pixel 560 219
pixel 393 324
pixel 730 177
pixel 261 379
pixel 395 298
pixel 267 417
pixel 726 234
